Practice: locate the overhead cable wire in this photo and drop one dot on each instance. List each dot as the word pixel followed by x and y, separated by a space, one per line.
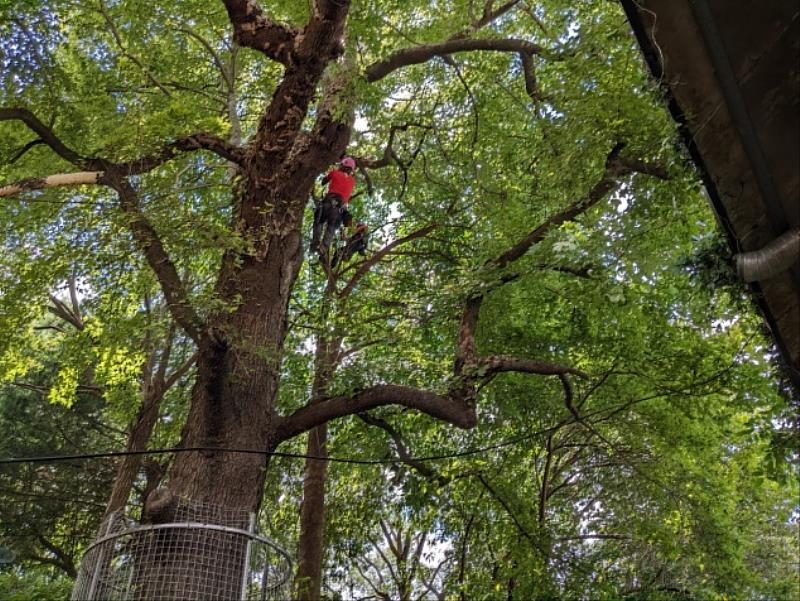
pixel 349 460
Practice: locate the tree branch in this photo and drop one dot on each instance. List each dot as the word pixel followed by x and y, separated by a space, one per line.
pixel 198 141
pixel 595 537
pixel 73 297
pixel 52 561
pixel 67 564
pixel 389 153
pixel 531 84
pixel 214 55
pixel 440 407
pixel 486 17
pixel 21 152
pixel 159 378
pixel 327 17
pixel 510 513
pixel 60 310
pixel 253 29
pixel 423 53
pixel 627 165
pixel 496 364
pixel 382 555
pixel 45 133
pixel 95 391
pixel 181 371
pixel 366 265
pixel 58 180
pixel 606 183
pixel 616 167
pixel 331 132
pixel 150 244
pixel 118 39
pixel 569 397
pixel 380 594
pixel 462 561
pixel 402 449
pixel 395 544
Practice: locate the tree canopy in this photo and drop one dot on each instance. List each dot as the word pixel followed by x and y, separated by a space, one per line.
pixel 565 393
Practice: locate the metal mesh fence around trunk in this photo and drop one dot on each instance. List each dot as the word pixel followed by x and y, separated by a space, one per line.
pixel 205 553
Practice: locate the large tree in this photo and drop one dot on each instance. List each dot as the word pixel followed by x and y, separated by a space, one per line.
pixel 195 134
pixel 240 343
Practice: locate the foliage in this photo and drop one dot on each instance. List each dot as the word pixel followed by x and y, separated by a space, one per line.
pixel 34 587
pixel 677 481
pixel 47 509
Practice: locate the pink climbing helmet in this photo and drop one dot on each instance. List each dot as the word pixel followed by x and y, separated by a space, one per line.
pixel 348 162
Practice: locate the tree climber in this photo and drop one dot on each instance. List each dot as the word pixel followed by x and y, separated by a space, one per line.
pixel 332 210
pixel 356 243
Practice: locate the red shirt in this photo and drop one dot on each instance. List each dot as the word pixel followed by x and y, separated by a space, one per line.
pixel 341 183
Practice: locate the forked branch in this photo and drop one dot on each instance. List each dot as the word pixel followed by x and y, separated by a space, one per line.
pixel 313 48
pixel 616 168
pixel 45 133
pixel 253 29
pixel 145 164
pixel 488 15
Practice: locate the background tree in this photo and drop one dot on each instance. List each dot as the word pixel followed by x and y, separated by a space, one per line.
pixel 47 509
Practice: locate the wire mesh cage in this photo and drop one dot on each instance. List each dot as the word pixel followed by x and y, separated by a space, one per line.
pixel 206 552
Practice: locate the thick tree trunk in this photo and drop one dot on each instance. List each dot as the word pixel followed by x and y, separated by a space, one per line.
pixel 232 407
pixel 238 365
pixel 233 400
pixel 240 346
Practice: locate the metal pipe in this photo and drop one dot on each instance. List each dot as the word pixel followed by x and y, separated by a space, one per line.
pixel 251 528
pixel 776 257
pixel 101 558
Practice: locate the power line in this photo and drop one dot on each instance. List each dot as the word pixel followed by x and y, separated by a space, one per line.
pixel 349 460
